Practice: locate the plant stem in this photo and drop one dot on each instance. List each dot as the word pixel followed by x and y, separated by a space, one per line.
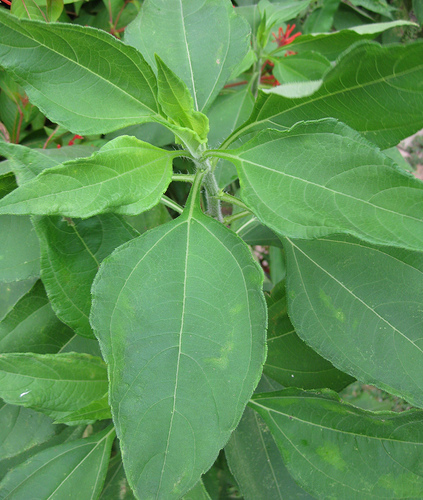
pixel 231 218
pixel 212 190
pixel 171 204
pixel 183 178
pixel 231 199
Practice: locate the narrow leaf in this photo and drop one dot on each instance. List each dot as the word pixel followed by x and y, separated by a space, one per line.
pixel 71 253
pixel 330 446
pixel 116 485
pixel 257 464
pixel 32 325
pixel 394 73
pixel 108 84
pixel 52 383
pixel 126 176
pixel 364 311
pixel 183 336
pixel 57 473
pixel 208 41
pixel 358 190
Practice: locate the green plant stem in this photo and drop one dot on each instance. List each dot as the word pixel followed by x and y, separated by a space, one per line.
pixel 231 199
pixel 214 208
pixel 231 218
pixel 183 178
pixel 171 204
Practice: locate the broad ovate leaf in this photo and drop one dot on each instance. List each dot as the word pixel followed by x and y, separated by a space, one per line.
pixel 207 41
pixel 359 306
pixel 393 73
pixel 62 471
pixel 54 384
pixel 80 77
pixel 335 450
pixel 322 177
pixel 126 176
pixel 180 317
pixel 71 253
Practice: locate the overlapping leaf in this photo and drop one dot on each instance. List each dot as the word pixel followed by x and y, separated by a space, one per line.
pixel 82 78
pixel 359 306
pixel 337 450
pixel 126 176
pixel 322 177
pixel 393 73
pixel 191 27
pixel 183 336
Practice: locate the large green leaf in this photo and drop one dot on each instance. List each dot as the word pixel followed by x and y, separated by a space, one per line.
pixel 19 249
pixel 71 253
pixel 360 307
pixel 207 41
pixel 54 384
pixel 393 73
pixel 301 67
pixel 322 177
pixel 126 176
pixel 335 450
pixel 32 325
pixel 257 464
pixel 97 410
pixel 183 335
pixel 280 12
pixel 80 77
pixel 62 471
pixel 116 485
pixel 290 361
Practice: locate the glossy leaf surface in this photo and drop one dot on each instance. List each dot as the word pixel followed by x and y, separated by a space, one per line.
pixel 357 191
pixel 192 26
pixel 257 464
pixel 360 307
pixel 32 325
pixel 126 176
pixel 330 446
pixel 394 73
pixel 53 384
pixel 71 253
pixel 114 84
pixel 183 335
pixel 58 472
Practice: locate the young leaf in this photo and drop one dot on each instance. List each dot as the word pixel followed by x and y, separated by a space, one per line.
pixel 257 464
pixel 322 177
pixel 280 12
pixel 58 472
pixel 393 73
pixel 53 384
pixel 301 67
pixel 183 335
pixel 364 311
pixel 330 446
pixel 19 249
pixel 176 101
pixel 126 176
pixel 71 253
pixel 97 410
pixel 191 27
pixel 32 325
pixel 108 83
pixel 291 362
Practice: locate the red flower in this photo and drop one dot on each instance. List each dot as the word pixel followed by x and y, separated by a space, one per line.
pixel 285 38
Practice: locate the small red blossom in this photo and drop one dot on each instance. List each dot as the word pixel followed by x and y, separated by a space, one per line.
pixel 6 2
pixel 72 141
pixel 59 146
pixel 285 38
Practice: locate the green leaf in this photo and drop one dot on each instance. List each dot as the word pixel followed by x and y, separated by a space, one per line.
pixel 32 325
pixel 10 293
pixel 418 10
pixel 108 84
pixel 71 253
pixel 335 450
pixel 321 19
pixel 346 185
pixel 28 9
pixel 254 233
pixel 97 410
pixel 53 384
pixel 393 73
pixel 59 472
pixel 191 27
pixel 378 6
pixel 257 464
pixel 178 104
pixel 183 336
pixel 116 485
pixel 7 184
pixel 301 67
pixel 19 249
pixel 291 362
pixel 281 12
pixel 126 176
pixel 363 308
pixel 199 492
pixel 156 216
